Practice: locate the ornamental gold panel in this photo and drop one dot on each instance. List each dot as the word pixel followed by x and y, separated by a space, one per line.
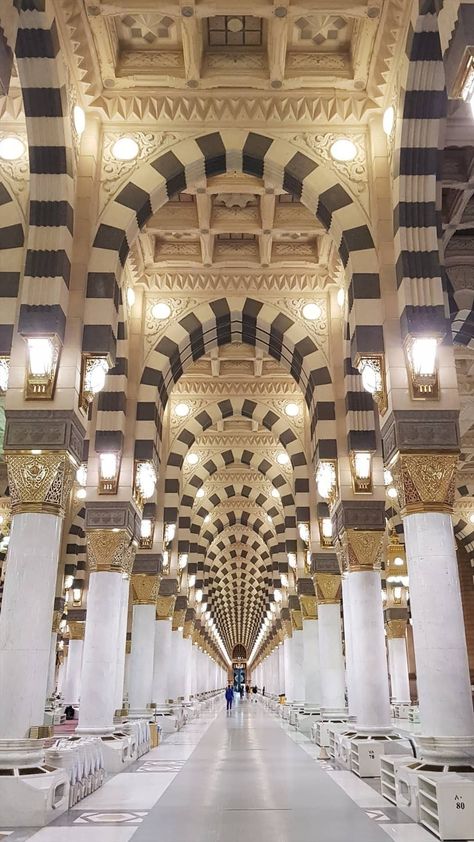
pixel 40 482
pixel 144 589
pixel 426 482
pixel 309 606
pixel 328 588
pixel 165 607
pixel 178 620
pixel 76 630
pixel 188 628
pixel 56 621
pixel 108 550
pixel 287 628
pixel 395 629
pixel 361 550
pixel 297 620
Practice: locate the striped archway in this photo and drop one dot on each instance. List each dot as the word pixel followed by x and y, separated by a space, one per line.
pixel 12 242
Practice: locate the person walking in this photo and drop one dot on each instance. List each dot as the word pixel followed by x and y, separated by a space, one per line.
pixel 241 691
pixel 254 691
pixel 229 697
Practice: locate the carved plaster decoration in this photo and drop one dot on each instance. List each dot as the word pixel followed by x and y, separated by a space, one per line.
pixel 426 482
pixel 264 282
pixel 360 550
pixel 76 629
pixel 262 388
pixel 144 589
pixel 355 172
pixel 107 550
pixel 395 629
pixel 164 607
pixel 40 482
pixel 16 174
pixel 309 606
pixel 328 588
pixel 319 328
pixel 114 173
pixel 156 328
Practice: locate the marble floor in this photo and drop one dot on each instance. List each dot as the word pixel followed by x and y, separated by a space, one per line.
pixel 231 777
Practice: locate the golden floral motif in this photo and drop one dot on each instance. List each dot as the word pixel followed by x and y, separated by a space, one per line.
pixel 297 620
pixel 328 588
pixel 426 482
pixel 178 619
pixel 76 630
pixel 361 550
pixel 395 629
pixel 144 589
pixel 309 606
pixel 108 550
pixel 40 482
pixel 165 607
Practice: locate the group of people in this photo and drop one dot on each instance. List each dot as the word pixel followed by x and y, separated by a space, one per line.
pixel 229 694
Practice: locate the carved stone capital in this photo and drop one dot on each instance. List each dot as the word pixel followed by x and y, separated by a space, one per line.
pixel 144 589
pixel 426 482
pixel 108 550
pixel 56 621
pixel 76 630
pixel 179 614
pixel 395 629
pixel 309 606
pixel 164 607
pixel 361 550
pixel 328 588
pixel 40 482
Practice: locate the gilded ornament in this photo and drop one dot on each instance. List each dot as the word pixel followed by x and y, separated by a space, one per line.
pixel 108 550
pixel 328 588
pixel 144 589
pixel 395 629
pixel 40 482
pixel 178 620
pixel 309 607
pixel 165 607
pixel 426 482
pixel 76 630
pixel 361 550
pixel 56 621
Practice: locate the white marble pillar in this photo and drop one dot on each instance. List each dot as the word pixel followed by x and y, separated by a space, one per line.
pixel 162 661
pixel 72 682
pixel 444 691
pixel 312 680
pixel 26 621
pixel 175 678
pixel 52 665
pixel 280 671
pixel 370 660
pixel 142 655
pixel 288 667
pixel 299 688
pixel 398 666
pixel 333 700
pixel 348 649
pixel 121 643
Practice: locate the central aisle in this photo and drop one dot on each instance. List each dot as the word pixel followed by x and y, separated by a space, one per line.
pixel 247 780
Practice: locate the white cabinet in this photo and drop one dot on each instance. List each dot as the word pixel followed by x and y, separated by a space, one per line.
pixel 389 763
pixel 447 805
pixel 367 751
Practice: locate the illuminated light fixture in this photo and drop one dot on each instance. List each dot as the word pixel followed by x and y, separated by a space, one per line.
pixel 343 150
pixel 180 628
pixel 396 556
pixel 292 410
pixel 81 474
pixel 284 579
pixel 372 371
pixel 397 593
pixel 130 296
pixel 125 149
pixel 62 625
pixel 192 458
pixel 11 148
pixel 161 311
pixel 422 360
pixel 326 480
pixel 325 532
pixel 392 492
pixel 79 119
pixel 471 518
pixel 341 297
pixel 4 373
pixel 182 561
pixel 361 470
pixel 277 595
pixel 303 531
pixel 145 480
pixel 68 582
pixel 147 529
pixel 283 458
pixel 292 560
pixel 165 559
pixel 199 595
pixel 207 519
pixel 109 471
pixel 182 410
pixel 311 311
pixel 77 595
pixel 81 494
pixel 170 532
pixel 387 477
pixel 200 492
pixel 388 120
pixel 270 519
pixel 192 580
pixel 42 367
pixel 384 595
pixel 276 493
pixel 93 375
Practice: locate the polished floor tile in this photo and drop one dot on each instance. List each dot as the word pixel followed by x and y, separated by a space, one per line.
pixel 128 791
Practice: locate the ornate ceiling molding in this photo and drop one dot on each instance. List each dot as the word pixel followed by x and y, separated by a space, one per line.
pixel 268 282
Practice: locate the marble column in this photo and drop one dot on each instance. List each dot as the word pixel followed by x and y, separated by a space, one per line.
pixel 288 667
pixel 175 680
pixel 362 557
pixel 108 553
pixel 280 673
pixel 398 661
pixel 312 673
pixel 162 664
pixel 40 485
pixel 297 653
pixel 121 643
pixel 348 649
pixel 144 590
pixel 72 681
pixel 333 685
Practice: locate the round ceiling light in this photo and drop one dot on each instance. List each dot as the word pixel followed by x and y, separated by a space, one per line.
pixel 341 297
pixel 235 25
pixel 125 149
pixel 161 310
pixel 311 311
pixel 11 148
pixel 192 458
pixel 392 492
pixel 79 118
pixel 388 120
pixel 343 150
pixel 275 493
pixel 283 458
pixel 292 410
pixel 200 492
pixel 182 410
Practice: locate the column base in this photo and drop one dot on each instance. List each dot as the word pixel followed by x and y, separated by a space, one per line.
pixel 334 713
pixel 34 799
pixel 442 751
pixel 100 731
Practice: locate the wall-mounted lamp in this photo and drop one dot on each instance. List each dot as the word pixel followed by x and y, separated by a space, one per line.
pixel 361 471
pixel 182 561
pixel 147 529
pixel 145 481
pixel 422 360
pixel 4 374
pixel 372 371
pixel 169 533
pixel 41 367
pixel 325 531
pixel 93 373
pixel 326 480
pixel 303 531
pixel 109 472
pixel 292 560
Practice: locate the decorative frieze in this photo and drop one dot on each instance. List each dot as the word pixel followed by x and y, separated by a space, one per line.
pixel 144 589
pixel 108 550
pixel 40 481
pixel 426 482
pixel 328 588
pixel 360 550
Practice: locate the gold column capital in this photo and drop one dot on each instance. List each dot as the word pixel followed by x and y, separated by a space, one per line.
pixel 395 629
pixel 56 621
pixel 328 588
pixel 108 550
pixel 309 606
pixel 40 481
pixel 144 589
pixel 76 630
pixel 360 550
pixel 426 482
pixel 165 607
